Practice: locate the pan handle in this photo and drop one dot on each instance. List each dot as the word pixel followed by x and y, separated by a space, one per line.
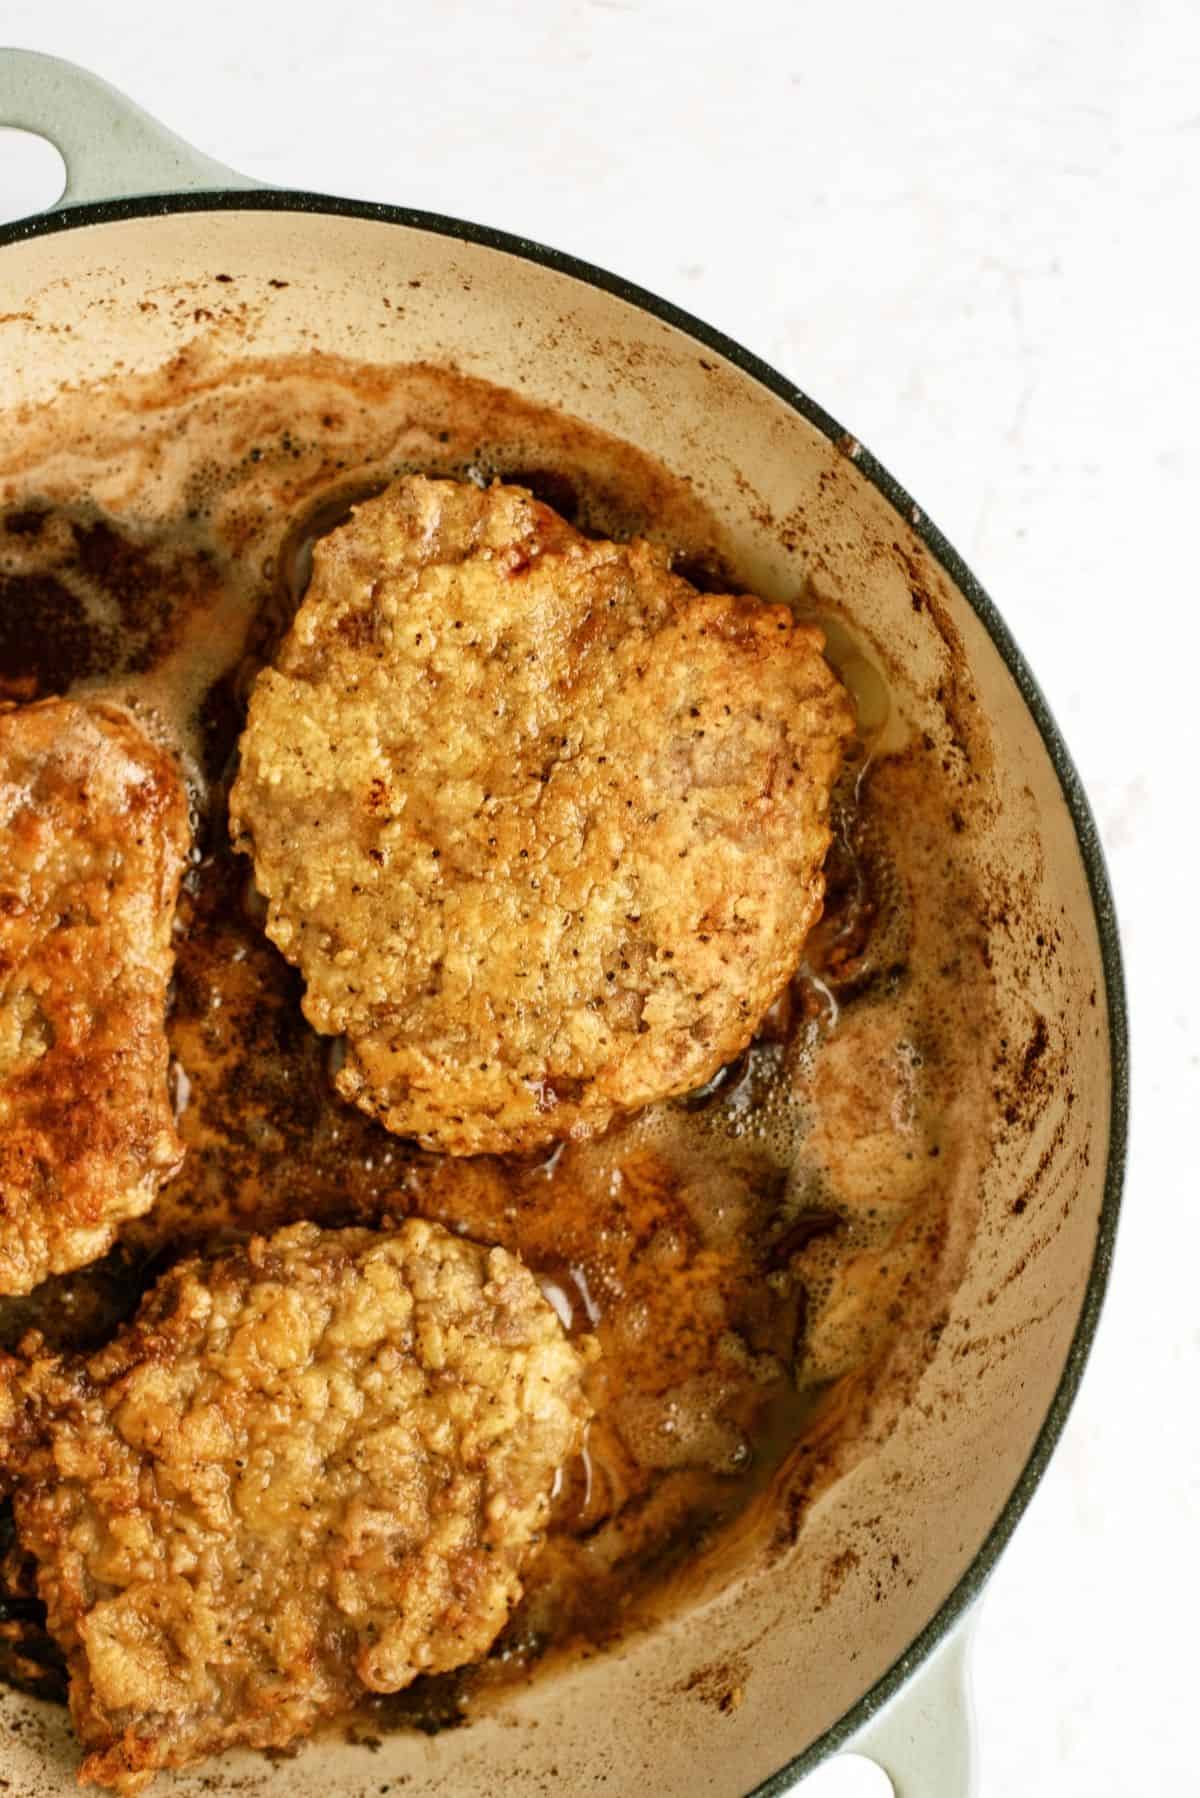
pixel 924 1739
pixel 113 150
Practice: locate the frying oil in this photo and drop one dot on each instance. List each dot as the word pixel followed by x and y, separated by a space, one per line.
pixel 749 1257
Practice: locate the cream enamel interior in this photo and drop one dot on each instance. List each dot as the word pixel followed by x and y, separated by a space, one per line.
pixel 720 1697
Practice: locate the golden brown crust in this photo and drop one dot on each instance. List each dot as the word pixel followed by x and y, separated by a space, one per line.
pixel 541 825
pixel 93 840
pixel 311 1468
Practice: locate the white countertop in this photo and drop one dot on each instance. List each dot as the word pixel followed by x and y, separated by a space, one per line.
pixel 972 234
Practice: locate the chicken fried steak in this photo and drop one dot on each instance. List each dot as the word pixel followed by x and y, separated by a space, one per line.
pixel 93 840
pixel 542 826
pixel 311 1468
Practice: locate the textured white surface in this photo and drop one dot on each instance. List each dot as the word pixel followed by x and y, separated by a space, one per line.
pixel 971 233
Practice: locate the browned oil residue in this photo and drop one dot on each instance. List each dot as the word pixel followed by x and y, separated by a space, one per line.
pixel 749 1257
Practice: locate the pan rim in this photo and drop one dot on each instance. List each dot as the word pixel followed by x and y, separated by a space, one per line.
pixel 971 1582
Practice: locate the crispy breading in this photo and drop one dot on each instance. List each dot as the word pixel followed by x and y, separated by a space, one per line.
pixel 311 1469
pixel 94 837
pixel 541 825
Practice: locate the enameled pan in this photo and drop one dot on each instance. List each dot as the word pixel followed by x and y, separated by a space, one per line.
pixel 816 1663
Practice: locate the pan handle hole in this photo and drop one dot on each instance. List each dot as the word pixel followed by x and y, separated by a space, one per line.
pixel 33 175
pixel 847 1776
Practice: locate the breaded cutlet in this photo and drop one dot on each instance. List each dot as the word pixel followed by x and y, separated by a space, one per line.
pixel 94 836
pixel 310 1469
pixel 541 825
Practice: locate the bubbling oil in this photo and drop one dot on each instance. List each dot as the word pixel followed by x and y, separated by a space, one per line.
pixel 744 1255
